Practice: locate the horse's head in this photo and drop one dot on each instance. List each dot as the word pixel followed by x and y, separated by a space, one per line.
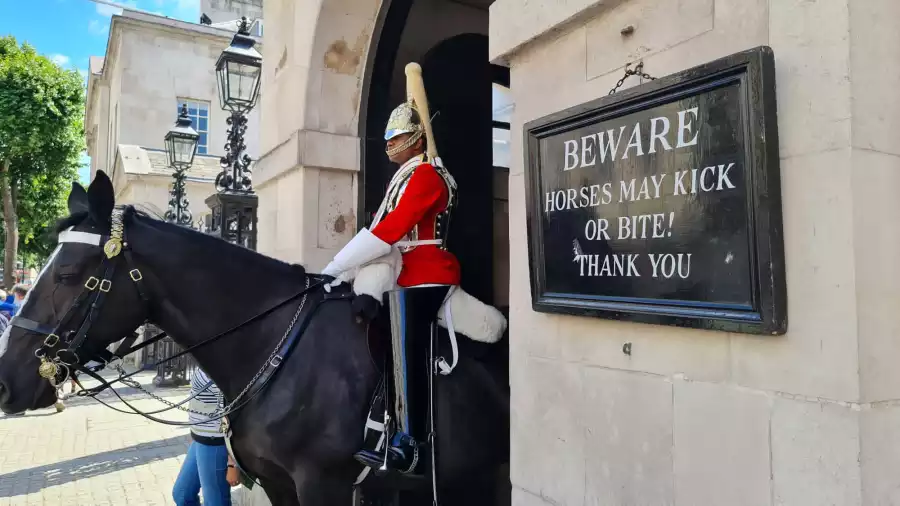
pixel 81 302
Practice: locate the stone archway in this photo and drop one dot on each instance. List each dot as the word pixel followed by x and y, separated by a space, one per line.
pixel 308 177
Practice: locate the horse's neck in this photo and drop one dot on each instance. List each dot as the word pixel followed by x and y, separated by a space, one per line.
pixel 199 294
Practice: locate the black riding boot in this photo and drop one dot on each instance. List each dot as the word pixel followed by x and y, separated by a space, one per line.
pixel 413 311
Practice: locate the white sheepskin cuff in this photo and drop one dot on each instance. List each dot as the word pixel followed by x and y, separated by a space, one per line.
pixel 472 318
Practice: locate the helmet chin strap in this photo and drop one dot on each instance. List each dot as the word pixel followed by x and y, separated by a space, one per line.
pixel 406 145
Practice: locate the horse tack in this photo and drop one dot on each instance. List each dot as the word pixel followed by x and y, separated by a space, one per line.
pixel 95 289
pixel 99 285
pixel 117 234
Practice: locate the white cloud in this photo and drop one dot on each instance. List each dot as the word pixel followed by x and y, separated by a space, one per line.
pixel 59 59
pixel 97 27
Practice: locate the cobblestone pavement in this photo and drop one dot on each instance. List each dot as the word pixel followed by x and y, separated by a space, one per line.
pixel 91 455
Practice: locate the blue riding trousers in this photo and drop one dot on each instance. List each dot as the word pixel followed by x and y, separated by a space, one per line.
pixel 203 469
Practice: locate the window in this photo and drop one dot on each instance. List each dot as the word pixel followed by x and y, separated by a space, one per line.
pixel 199 114
pixel 502 107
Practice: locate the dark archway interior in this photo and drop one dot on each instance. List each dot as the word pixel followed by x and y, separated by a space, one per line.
pixel 448 38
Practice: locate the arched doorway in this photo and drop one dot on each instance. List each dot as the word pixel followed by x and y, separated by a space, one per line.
pixel 469 98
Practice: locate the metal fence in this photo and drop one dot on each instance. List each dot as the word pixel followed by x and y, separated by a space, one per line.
pixel 173 373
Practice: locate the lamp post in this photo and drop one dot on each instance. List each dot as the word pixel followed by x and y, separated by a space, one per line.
pixel 181 146
pixel 234 205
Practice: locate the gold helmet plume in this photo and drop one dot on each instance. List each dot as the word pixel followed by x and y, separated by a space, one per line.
pixel 412 116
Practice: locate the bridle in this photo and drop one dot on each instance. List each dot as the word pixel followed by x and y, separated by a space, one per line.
pixel 62 350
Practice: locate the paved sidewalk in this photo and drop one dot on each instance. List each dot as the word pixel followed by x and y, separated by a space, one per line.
pixel 91 455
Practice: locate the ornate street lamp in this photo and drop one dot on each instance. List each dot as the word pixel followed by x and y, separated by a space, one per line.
pixel 181 146
pixel 234 205
pixel 181 141
pixel 238 70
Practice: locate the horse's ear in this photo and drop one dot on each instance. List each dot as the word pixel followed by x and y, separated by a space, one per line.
pixel 101 199
pixel 78 199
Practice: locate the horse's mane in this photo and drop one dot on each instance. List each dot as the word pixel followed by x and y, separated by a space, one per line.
pixel 189 234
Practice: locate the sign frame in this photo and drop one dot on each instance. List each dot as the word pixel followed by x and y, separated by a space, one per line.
pixel 754 71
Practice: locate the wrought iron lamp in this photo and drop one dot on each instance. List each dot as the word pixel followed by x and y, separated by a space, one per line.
pixel 238 69
pixel 181 146
pixel 181 141
pixel 234 205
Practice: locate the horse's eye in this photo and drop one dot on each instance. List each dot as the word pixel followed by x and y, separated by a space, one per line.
pixel 68 274
pixel 67 278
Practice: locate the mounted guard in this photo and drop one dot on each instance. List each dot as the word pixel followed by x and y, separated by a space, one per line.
pixel 413 219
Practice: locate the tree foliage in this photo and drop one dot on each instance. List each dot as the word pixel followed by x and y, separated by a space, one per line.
pixel 41 139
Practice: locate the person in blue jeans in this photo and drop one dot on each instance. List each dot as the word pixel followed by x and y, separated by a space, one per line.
pixel 207 467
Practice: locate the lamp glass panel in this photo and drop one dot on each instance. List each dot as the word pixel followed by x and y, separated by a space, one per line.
pixel 242 81
pixel 183 149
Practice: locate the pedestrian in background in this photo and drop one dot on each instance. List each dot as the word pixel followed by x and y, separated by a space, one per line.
pixel 207 466
pixel 7 306
pixel 20 291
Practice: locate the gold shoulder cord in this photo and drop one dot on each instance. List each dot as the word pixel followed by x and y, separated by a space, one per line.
pixel 114 245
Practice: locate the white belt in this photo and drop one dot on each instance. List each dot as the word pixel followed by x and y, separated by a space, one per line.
pixel 405 244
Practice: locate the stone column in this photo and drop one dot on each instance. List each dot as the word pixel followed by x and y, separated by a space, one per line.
pixel 314 60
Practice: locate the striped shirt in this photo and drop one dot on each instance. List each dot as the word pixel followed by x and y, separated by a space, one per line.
pixel 205 432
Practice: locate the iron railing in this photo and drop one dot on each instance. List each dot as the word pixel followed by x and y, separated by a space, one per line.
pixel 173 373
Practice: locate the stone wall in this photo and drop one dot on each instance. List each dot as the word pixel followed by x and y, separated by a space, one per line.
pixel 696 418
pixel 313 64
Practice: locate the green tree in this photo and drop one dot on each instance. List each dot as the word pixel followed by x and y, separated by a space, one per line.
pixel 41 138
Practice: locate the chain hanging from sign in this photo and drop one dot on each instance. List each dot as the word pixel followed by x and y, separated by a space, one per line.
pixel 638 70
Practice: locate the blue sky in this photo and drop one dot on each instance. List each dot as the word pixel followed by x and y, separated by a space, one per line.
pixel 70 31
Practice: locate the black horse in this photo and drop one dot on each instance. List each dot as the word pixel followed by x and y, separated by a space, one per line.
pixel 299 435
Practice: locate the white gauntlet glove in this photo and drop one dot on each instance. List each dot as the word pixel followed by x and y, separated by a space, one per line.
pixel 363 248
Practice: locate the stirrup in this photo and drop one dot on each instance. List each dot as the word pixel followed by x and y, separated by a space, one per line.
pixel 394 460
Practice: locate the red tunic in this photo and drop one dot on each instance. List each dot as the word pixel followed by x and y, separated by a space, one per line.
pixel 425 197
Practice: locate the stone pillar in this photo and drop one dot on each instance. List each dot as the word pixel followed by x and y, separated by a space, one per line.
pixel 314 60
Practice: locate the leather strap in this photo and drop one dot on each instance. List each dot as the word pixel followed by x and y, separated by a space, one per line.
pixel 31 325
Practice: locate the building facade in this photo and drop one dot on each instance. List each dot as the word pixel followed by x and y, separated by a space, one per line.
pixel 687 417
pixel 223 11
pixel 152 66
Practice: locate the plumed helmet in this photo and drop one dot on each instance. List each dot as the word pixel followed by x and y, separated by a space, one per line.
pixel 404 120
pixel 412 116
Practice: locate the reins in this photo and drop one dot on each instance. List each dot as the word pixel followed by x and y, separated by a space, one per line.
pixel 256 386
pixel 108 384
pixel 67 360
pixel 235 405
